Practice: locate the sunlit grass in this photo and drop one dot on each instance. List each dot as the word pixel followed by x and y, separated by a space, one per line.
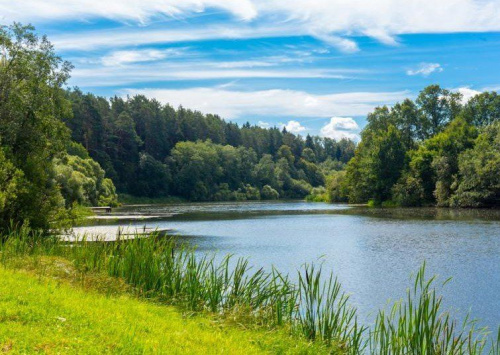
pixel 48 315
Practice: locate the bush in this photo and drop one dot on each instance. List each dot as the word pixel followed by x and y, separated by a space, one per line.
pixel 299 188
pixel 268 193
pixel 318 194
pixel 252 193
pixel 82 181
pixel 336 186
pixel 408 192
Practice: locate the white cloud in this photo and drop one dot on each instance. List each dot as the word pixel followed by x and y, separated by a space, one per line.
pixel 263 124
pixel 137 56
pixel 425 69
pixel 272 103
pixel 467 93
pixel 294 127
pixel 341 127
pixel 329 20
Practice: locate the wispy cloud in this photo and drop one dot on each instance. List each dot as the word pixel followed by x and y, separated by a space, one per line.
pixel 137 10
pixel 137 36
pixel 341 127
pixel 425 69
pixel 158 72
pixel 332 21
pixel 138 56
pixel 272 103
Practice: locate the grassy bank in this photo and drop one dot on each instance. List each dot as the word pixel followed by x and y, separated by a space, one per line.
pixel 48 308
pixel 314 313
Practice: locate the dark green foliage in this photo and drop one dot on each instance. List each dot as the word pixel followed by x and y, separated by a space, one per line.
pixel 425 153
pixel 153 177
pixel 39 181
pixel 435 163
pixel 437 107
pixel 479 170
pixel 482 109
pixel 32 133
pixel 376 166
pixel 268 193
pixel 153 150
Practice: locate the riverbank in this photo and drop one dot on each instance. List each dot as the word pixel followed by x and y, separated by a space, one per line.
pixel 49 306
pixel 311 316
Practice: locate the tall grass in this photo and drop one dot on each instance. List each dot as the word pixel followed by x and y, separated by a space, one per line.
pixel 315 308
pixel 419 326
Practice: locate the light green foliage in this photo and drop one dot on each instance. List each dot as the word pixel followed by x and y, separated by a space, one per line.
pixel 82 182
pixel 252 193
pixel 329 166
pixel 337 188
pixel 264 171
pixel 268 193
pixel 208 171
pixel 197 169
pixel 318 194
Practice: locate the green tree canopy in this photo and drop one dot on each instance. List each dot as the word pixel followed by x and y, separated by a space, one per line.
pixel 32 133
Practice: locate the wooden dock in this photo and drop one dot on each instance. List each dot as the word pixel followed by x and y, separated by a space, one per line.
pixel 103 209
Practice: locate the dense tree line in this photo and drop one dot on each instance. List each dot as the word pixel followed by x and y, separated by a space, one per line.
pixel 40 180
pixel 151 149
pixel 435 150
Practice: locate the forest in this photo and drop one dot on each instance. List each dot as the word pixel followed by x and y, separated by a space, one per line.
pixel 151 149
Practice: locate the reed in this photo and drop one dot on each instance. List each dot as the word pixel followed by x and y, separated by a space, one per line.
pixel 418 325
pixel 315 308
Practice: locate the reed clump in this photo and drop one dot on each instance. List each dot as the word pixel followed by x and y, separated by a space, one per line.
pixel 315 308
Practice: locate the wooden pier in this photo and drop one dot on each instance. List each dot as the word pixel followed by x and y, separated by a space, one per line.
pixel 103 209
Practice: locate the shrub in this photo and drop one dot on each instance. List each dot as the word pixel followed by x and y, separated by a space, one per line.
pixel 268 193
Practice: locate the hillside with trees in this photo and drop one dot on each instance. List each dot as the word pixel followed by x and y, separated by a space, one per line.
pixel 150 149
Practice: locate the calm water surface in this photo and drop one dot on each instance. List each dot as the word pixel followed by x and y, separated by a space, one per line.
pixel 373 251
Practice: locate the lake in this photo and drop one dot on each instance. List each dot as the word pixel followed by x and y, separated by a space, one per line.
pixel 372 251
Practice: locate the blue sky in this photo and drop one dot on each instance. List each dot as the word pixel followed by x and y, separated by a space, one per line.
pixel 315 66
